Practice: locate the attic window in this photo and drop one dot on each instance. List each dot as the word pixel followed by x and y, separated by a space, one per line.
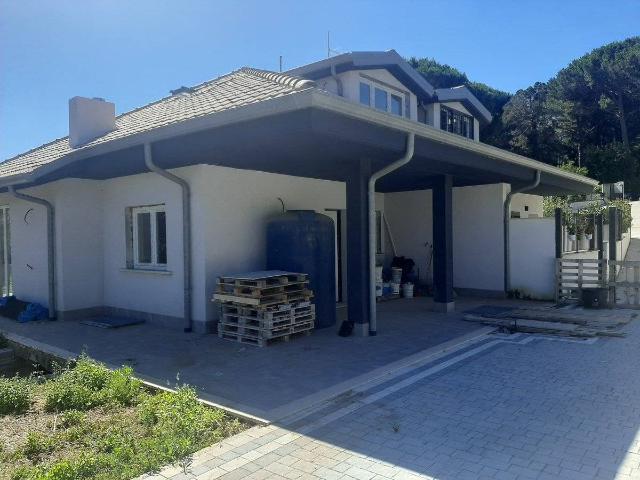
pixel 382 99
pixel 456 122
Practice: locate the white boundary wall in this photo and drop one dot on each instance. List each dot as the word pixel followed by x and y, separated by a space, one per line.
pixel 532 255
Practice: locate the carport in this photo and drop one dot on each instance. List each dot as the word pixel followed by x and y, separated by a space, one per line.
pixel 310 133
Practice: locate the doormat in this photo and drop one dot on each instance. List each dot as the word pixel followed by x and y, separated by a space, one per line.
pixel 490 310
pixel 111 322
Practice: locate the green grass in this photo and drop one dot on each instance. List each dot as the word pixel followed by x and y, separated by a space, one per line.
pixel 89 422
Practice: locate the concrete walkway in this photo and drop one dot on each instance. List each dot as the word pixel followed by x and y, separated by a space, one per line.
pixel 269 382
pixel 500 407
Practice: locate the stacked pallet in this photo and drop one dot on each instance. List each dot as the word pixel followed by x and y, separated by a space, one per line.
pixel 260 307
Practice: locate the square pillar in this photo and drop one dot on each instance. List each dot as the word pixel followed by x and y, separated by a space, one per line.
pixel 443 243
pixel 358 247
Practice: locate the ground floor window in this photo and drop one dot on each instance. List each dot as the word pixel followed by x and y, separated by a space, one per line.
pixel 148 242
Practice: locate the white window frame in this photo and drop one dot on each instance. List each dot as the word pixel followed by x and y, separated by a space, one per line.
pixel 152 210
pixel 389 91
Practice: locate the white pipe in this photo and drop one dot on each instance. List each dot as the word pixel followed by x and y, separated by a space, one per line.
pixel 372 226
pixel 337 80
pixel 186 230
pixel 507 220
pixel 51 244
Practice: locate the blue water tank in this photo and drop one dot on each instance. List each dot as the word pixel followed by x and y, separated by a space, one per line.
pixel 303 241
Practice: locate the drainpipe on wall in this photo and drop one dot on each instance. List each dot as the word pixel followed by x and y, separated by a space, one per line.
pixel 507 219
pixel 372 227
pixel 338 80
pixel 186 231
pixel 51 244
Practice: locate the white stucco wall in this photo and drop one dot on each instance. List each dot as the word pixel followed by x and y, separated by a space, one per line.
pixel 232 208
pixel 351 86
pixel 522 200
pixel 477 233
pixel 28 249
pixel 532 256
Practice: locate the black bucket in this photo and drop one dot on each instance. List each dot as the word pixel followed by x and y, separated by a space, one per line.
pixel 597 297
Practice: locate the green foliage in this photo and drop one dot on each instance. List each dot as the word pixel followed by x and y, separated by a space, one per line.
pixel 15 395
pixel 72 418
pixel 4 343
pixel 589 113
pixel 36 445
pixel 625 211
pixel 88 384
pixel 128 432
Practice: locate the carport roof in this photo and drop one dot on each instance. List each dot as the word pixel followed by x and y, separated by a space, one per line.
pixel 259 120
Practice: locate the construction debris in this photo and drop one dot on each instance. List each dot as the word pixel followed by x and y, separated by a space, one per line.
pixel 260 307
pixel 573 322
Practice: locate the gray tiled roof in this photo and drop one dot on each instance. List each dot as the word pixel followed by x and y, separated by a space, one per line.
pixel 236 89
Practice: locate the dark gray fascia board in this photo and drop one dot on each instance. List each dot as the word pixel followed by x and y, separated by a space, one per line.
pixel 389 60
pixel 309 98
pixel 463 95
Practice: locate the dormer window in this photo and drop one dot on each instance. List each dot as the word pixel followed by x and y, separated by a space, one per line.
pixel 456 122
pixel 381 98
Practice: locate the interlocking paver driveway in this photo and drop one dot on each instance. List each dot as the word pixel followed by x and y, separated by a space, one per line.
pixel 506 407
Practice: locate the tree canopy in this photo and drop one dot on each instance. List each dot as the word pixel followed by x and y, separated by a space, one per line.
pixel 587 114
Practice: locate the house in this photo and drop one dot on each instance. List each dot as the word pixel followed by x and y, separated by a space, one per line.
pixel 137 214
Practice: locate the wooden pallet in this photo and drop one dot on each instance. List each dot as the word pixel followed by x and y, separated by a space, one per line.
pixel 259 292
pixel 285 278
pixel 267 323
pixel 262 342
pixel 270 300
pixel 268 313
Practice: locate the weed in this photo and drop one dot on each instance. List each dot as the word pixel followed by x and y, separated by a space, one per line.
pixel 122 387
pixel 88 384
pixel 36 445
pixel 72 418
pixel 15 395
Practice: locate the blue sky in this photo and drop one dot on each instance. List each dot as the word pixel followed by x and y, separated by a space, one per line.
pixel 133 52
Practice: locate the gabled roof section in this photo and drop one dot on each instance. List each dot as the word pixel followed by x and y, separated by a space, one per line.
pixel 389 60
pixel 463 95
pixel 236 89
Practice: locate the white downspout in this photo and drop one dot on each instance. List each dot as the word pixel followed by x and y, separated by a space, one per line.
pixel 507 220
pixel 373 324
pixel 51 244
pixel 186 231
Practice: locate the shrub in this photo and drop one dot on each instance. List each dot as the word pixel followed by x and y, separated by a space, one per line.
pixel 71 418
pixel 36 445
pixel 123 388
pixel 89 384
pixel 15 395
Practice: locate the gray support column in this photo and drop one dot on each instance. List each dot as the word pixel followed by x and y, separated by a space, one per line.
pixel 599 236
pixel 443 243
pixel 558 217
pixel 613 250
pixel 358 247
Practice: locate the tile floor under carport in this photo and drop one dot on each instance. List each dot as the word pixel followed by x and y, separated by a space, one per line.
pixel 267 382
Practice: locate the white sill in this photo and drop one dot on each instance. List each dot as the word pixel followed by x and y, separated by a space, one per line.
pixel 146 271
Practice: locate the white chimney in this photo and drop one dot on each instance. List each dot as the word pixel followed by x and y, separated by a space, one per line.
pixel 89 118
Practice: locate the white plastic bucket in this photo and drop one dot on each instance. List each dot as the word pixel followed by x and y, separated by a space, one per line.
pixel 396 275
pixel 395 288
pixel 378 289
pixel 407 290
pixel 378 274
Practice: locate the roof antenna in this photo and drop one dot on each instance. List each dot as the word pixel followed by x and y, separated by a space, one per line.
pixel 280 63
pixel 330 51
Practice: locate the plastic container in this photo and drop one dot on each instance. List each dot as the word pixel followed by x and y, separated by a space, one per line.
pixel 407 290
pixel 303 241
pixel 396 275
pixel 395 288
